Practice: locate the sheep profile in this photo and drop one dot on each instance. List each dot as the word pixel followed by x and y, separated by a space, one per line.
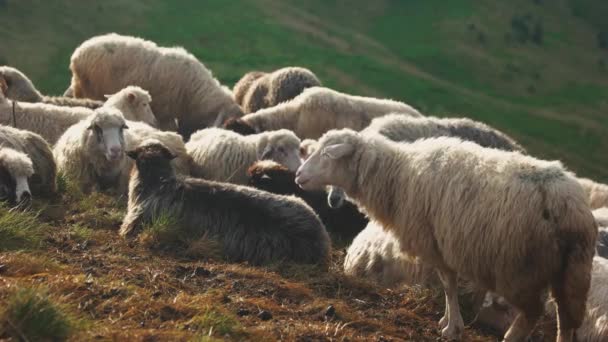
pixel 270 89
pixel 42 182
pixel 251 225
pixel 317 110
pixel 51 121
pixel 224 156
pixel 92 152
pixel 345 222
pixel 596 192
pixel 15 169
pixel 20 88
pixel 181 86
pixel 511 224
pixel 402 128
pixel 134 104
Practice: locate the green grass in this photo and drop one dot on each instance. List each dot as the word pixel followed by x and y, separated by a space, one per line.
pixel 551 97
pixel 20 229
pixel 215 323
pixel 30 315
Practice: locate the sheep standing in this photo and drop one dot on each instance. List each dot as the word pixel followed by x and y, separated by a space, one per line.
pixel 268 90
pixel 15 169
pixel 345 222
pixel 52 121
pixel 596 192
pixel 252 225
pixel 402 128
pixel 92 152
pixel 181 86
pixel 510 223
pixel 317 110
pixel 20 88
pixel 42 181
pixel 224 156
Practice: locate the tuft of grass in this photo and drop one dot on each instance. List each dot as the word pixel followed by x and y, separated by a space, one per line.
pixel 212 322
pixel 32 316
pixel 20 229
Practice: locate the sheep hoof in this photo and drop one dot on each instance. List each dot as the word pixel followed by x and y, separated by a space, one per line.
pixel 452 333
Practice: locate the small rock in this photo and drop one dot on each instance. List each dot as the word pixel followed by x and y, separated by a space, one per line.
pixel 330 312
pixel 265 315
pixel 242 312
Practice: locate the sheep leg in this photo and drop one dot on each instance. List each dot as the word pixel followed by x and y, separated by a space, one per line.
pixel 531 310
pixel 455 325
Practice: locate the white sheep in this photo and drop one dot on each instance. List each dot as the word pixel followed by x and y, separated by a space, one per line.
pixel 15 169
pixel 596 192
pixel 376 254
pixel 92 152
pixel 509 223
pixel 20 88
pixel 225 156
pixel 52 121
pixel 181 86
pixel 134 104
pixel 42 181
pixel 319 109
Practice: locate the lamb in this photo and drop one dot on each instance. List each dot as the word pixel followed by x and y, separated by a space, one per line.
pixel 439 197
pixel 181 86
pixel 52 121
pixel 596 192
pixel 15 169
pixel 42 181
pixel 344 223
pixel 20 88
pixel 134 104
pixel 224 156
pixel 92 152
pixel 268 90
pixel 403 128
pixel 251 225
pixel 319 109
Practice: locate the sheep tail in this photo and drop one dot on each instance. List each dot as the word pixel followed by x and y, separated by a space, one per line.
pixel 571 286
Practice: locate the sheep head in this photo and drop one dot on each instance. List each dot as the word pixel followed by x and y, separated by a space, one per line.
pixel 18 86
pixel 153 159
pixel 271 176
pixel 106 134
pixel 134 103
pixel 281 146
pixel 15 169
pixel 239 126
pixel 325 166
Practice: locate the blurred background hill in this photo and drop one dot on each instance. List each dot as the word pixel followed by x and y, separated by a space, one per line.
pixel 537 69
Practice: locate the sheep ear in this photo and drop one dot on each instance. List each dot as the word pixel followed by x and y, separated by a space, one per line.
pixel 338 151
pixel 107 96
pixel 132 154
pixel 131 97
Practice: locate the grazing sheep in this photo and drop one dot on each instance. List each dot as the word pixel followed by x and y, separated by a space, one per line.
pixel 20 88
pixel 242 86
pixel 52 121
pixel 92 152
pixel 318 110
pixel 345 222
pixel 376 254
pixel 507 222
pixel 279 86
pixel 42 181
pixel 596 192
pixel 181 86
pixel 252 225
pixel 403 128
pixel 15 169
pixel 224 156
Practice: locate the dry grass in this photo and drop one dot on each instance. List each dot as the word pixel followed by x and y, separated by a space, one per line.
pixel 164 289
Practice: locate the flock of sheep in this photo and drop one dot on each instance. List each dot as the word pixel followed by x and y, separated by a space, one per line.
pixel 269 167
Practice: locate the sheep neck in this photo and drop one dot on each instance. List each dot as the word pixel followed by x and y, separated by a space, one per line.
pixel 274 118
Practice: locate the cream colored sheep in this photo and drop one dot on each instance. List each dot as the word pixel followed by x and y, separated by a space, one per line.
pixel 279 86
pixel 20 88
pixel 52 121
pixel 318 110
pixel 225 156
pixel 181 86
pixel 43 181
pixel 376 254
pixel 92 152
pixel 242 86
pixel 15 169
pixel 596 192
pixel 134 104
pixel 509 223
